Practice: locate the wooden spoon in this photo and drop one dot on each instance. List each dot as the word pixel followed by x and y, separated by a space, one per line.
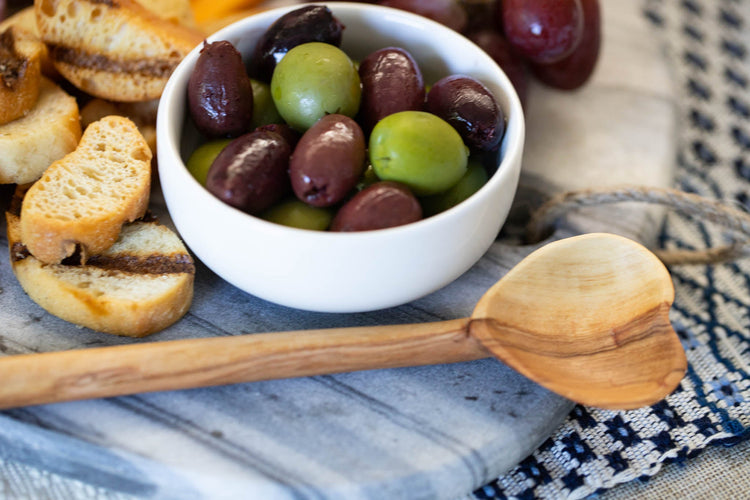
pixel 586 317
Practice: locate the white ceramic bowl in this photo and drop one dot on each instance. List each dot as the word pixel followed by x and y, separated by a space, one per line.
pixel 342 272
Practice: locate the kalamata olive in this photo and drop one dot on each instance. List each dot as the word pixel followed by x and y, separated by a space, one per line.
pixel 220 94
pixel 381 205
pixel 544 31
pixel 471 109
pixel 287 132
pixel 576 69
pixel 498 48
pixel 250 173
pixel 328 161
pixel 311 23
pixel 391 82
pixel 450 13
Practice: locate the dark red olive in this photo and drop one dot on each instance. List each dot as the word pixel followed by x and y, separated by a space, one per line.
pixel 471 109
pixel 251 172
pixel 328 161
pixel 219 91
pixel 311 23
pixel 391 82
pixel 544 31
pixel 378 206
pixel 498 48
pixel 450 13
pixel 576 69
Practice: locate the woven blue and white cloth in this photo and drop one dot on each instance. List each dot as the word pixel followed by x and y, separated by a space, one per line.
pixel 707 43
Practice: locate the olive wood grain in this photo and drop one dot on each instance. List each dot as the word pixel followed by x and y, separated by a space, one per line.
pixel 586 317
pixel 30 379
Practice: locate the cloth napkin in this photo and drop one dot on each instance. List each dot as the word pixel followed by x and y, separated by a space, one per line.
pixel 706 43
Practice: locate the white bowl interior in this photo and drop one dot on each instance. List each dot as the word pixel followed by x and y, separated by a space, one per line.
pixel 342 272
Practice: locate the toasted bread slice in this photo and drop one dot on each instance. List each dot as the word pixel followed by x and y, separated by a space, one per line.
pixel 20 73
pixel 142 113
pixel 82 200
pixel 117 50
pixel 49 131
pixel 25 19
pixel 140 285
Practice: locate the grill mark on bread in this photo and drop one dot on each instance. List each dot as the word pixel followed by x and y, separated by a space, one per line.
pixel 151 264
pixel 12 64
pixel 156 68
pixel 132 264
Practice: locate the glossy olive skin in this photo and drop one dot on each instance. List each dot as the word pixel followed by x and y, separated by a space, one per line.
pixel 391 82
pixel 313 80
pixel 498 48
pixel 220 94
pixel 329 161
pixel 544 31
pixel 575 70
pixel 379 206
pixel 418 149
pixel 251 172
pixel 288 133
pixel 311 23
pixel 471 109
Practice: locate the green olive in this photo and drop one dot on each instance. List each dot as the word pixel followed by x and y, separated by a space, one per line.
pixel 202 158
pixel 312 80
pixel 295 213
pixel 264 110
pixel 418 149
pixel 474 178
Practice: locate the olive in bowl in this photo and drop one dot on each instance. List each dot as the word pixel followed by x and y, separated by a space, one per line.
pixel 330 271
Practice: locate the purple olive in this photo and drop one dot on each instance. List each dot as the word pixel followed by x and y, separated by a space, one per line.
pixel 251 172
pixel 328 161
pixel 471 109
pixel 391 82
pixel 311 23
pixel 378 206
pixel 220 94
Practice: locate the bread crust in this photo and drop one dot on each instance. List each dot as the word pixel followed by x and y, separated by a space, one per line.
pixel 48 132
pixel 116 49
pixel 122 300
pixel 20 73
pixel 82 200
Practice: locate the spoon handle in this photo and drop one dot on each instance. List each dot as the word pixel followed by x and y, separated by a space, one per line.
pixel 50 377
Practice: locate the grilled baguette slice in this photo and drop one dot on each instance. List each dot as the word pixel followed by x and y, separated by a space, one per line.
pixel 49 131
pixel 140 285
pixel 20 73
pixel 82 200
pixel 116 50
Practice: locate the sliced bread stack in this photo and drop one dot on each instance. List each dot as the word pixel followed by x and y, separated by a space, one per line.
pixel 80 247
pixel 116 50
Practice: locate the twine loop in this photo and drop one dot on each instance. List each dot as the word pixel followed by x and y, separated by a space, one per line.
pixel 689 204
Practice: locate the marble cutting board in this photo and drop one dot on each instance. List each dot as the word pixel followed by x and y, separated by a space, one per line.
pixel 427 432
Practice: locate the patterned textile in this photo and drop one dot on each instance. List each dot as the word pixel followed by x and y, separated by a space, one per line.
pixel 707 42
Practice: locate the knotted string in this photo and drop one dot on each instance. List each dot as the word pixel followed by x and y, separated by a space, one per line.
pixel 695 206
